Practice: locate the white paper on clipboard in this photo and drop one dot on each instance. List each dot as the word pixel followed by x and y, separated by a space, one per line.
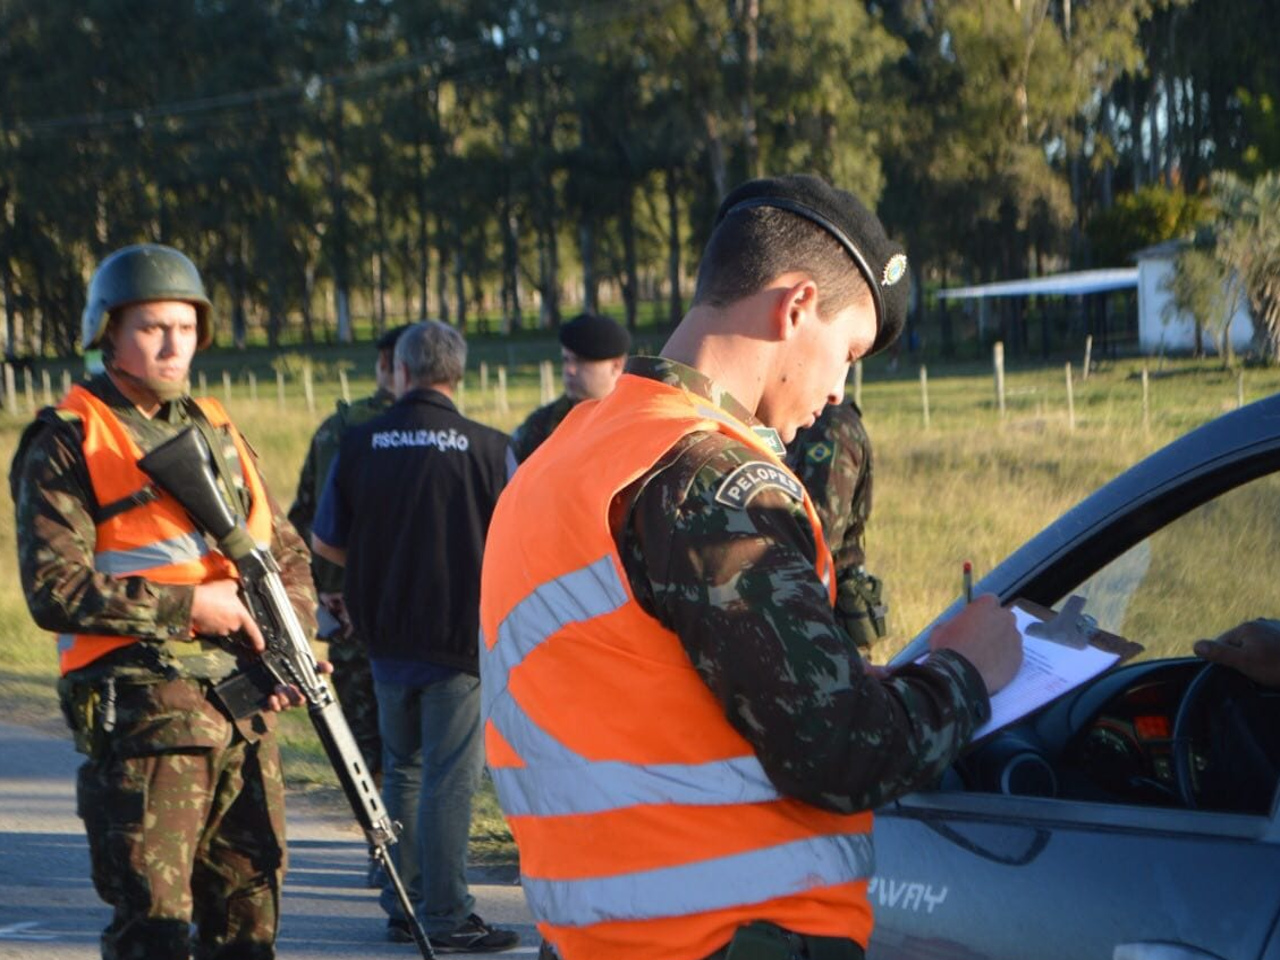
pixel 1048 671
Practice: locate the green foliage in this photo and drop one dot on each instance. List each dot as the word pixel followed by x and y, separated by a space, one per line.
pixel 1202 287
pixel 1147 216
pixel 1248 243
pixel 484 160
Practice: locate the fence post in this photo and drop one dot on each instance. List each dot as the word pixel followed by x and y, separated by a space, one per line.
pixel 66 382
pixel 204 384
pixel 10 389
pixel 29 388
pixel 924 394
pixel 857 384
pixel 47 383
pixel 546 374
pixel 253 386
pixel 226 385
pixel 280 389
pixel 346 391
pixel 460 397
pixel 1146 400
pixel 484 377
pixel 307 389
pixel 1239 389
pixel 997 357
pixel 1071 400
pixel 1088 356
pixel 500 391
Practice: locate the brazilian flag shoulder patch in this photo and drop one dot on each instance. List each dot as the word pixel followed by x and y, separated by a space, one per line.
pixel 818 452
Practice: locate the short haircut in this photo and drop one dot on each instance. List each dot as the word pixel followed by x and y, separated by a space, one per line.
pixel 432 352
pixel 753 246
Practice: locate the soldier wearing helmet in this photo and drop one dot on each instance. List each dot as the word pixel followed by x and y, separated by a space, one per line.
pixel 183 801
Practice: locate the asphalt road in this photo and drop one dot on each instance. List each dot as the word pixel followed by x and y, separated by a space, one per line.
pixel 49 910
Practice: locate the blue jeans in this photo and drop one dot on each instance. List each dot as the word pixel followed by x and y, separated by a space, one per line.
pixel 432 757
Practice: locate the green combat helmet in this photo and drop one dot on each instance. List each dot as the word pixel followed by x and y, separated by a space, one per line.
pixel 146 271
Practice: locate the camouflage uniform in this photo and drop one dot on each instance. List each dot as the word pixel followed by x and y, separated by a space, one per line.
pixel 352 676
pixel 832 458
pixel 183 806
pixel 737 585
pixel 538 426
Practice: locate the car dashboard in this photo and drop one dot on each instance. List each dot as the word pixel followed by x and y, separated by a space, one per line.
pixel 1117 740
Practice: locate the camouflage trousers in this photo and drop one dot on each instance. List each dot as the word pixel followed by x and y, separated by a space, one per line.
pixel 353 682
pixel 184 812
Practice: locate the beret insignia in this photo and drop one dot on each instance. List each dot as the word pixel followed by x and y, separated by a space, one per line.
pixel 894 270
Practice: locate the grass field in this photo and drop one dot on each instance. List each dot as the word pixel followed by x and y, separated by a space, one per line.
pixel 971 484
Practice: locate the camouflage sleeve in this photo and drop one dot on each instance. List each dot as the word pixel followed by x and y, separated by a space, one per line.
pixel 56 536
pixel 293 557
pixel 737 585
pixel 303 510
pixel 833 461
pixel 524 440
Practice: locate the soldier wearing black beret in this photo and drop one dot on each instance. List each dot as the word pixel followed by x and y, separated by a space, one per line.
pixel 688 579
pixel 593 350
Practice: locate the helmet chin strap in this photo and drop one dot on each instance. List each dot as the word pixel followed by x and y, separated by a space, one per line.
pixel 162 390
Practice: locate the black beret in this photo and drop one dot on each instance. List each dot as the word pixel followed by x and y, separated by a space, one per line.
pixel 388 340
pixel 595 338
pixel 881 261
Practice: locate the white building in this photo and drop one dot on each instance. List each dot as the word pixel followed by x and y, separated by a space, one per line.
pixel 1178 333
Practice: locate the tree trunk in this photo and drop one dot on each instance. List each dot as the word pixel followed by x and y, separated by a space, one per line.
pixel 341 280
pixel 630 277
pixel 750 18
pixel 442 267
pixel 459 279
pixel 715 155
pixel 587 251
pixel 675 302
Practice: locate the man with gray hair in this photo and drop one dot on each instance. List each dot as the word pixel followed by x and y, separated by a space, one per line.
pixel 406 510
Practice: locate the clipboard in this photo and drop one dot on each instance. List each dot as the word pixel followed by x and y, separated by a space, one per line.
pixel 1062 650
pixel 1074 628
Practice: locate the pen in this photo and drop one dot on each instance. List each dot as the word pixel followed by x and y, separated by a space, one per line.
pixel 968 582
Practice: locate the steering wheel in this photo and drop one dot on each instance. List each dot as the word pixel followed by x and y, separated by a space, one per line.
pixel 1238 724
pixel 1188 709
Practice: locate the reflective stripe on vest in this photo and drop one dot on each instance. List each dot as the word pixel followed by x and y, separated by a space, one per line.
pixel 582 786
pixel 122 563
pixel 706 885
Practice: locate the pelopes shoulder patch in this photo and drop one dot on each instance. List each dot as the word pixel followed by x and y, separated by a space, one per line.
pixel 749 479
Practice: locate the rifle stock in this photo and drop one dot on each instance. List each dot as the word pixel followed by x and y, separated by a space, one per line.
pixel 180 468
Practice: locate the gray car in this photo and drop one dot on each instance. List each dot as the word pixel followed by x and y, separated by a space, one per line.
pixel 1135 818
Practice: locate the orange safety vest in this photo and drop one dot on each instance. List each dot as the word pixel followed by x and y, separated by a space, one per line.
pixel 155 540
pixel 646 825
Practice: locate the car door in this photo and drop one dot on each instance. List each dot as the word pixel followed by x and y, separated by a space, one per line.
pixel 1184 546
pixel 962 876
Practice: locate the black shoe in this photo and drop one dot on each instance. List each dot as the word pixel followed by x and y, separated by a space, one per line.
pixel 398 930
pixel 474 936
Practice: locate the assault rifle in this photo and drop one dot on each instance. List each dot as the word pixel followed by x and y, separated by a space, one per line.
pixel 181 468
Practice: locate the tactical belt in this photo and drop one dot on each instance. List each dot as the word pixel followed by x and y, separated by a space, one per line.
pixel 768 941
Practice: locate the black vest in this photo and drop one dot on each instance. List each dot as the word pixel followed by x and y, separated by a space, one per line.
pixel 420 483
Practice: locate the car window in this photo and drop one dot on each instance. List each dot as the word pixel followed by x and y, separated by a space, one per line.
pixel 1200 575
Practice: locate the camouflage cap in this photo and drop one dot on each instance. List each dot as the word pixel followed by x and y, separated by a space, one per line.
pixel 880 260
